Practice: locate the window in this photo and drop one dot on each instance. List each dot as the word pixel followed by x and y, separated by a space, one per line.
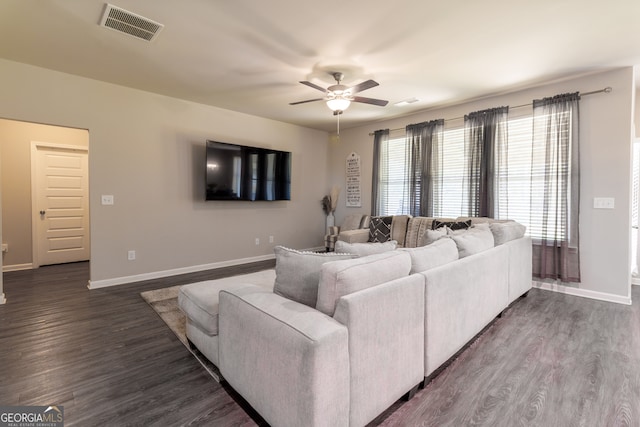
pixel 518 186
pixel 393 176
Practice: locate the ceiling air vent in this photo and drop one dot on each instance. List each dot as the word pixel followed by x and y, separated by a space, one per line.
pixel 129 23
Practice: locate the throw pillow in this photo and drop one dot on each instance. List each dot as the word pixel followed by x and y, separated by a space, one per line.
pixel 504 232
pixel 434 255
pixel 298 273
pixel 380 229
pixel 473 241
pixel 431 236
pixel 453 225
pixel 364 249
pixel 345 277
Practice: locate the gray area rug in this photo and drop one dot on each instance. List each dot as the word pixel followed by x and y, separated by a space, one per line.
pixel 165 303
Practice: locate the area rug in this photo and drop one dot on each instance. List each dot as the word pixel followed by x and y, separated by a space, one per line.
pixel 165 303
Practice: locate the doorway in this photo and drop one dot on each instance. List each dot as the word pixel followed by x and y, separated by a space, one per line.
pixel 19 224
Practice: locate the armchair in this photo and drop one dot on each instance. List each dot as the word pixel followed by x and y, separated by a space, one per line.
pixel 351 222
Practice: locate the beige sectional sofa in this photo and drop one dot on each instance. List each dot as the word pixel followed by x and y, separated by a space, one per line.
pixel 380 324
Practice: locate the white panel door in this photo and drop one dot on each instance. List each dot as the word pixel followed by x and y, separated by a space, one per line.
pixel 62 209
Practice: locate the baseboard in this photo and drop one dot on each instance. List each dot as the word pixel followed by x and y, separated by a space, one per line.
pixel 16 267
pixel 585 293
pixel 3 300
pixel 635 281
pixel 95 284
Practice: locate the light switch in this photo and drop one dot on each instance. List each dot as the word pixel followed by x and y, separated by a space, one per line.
pixel 107 199
pixel 603 203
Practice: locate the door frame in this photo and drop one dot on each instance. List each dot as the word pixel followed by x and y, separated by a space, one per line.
pixel 35 258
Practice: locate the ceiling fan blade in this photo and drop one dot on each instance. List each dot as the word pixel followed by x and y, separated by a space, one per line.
pixel 304 102
pixel 313 85
pixel 380 102
pixel 363 86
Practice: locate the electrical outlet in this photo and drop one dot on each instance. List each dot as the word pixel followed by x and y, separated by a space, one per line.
pixel 603 203
pixel 107 199
pixel 131 255
pixel 257 241
pixel 270 239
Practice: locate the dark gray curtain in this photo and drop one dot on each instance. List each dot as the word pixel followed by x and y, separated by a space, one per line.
pixel 485 140
pixel 380 138
pixel 556 191
pixel 424 145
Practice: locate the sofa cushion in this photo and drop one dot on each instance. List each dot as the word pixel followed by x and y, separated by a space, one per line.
pixel 504 232
pixel 345 277
pixel 430 236
pixel 380 229
pixel 473 240
pixel 453 225
pixel 437 253
pixel 199 301
pixel 364 249
pixel 298 273
pixel 351 222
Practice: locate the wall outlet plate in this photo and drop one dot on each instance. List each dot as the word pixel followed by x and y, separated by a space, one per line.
pixel 107 199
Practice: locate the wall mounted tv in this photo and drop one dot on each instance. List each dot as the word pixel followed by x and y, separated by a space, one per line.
pixel 239 172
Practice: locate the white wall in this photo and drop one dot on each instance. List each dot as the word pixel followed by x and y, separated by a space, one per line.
pixel 606 135
pixel 148 151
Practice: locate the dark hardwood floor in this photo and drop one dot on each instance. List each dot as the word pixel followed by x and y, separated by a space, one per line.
pixel 104 354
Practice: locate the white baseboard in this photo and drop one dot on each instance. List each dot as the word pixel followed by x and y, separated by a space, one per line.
pixel 94 284
pixel 585 293
pixel 635 281
pixel 3 300
pixel 17 267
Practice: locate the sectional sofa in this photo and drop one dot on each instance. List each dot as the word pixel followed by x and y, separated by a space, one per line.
pixel 335 339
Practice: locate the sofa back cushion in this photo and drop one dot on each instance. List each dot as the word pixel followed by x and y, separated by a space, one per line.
pixel 436 254
pixel 364 249
pixel 351 222
pixel 504 232
pixel 345 277
pixel 472 241
pixel 298 273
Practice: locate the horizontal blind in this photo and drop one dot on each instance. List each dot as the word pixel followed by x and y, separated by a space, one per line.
pixel 393 173
pixel 514 194
pixel 448 200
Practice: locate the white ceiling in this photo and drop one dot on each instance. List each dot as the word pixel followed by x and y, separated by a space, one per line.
pixel 248 55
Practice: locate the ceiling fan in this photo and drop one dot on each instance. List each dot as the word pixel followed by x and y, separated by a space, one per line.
pixel 338 97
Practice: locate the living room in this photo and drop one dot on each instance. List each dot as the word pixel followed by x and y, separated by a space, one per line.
pixel 147 150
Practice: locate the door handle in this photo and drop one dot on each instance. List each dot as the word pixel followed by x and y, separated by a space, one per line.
pixel 42 212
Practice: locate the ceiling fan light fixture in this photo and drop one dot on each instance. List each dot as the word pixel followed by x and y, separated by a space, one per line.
pixel 338 104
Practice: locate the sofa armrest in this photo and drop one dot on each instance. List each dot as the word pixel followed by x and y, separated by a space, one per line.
pixel 520 269
pixel 288 360
pixel 386 343
pixel 355 236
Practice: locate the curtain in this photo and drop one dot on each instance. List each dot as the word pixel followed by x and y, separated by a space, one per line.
pixel 380 165
pixel 424 145
pixel 485 140
pixel 555 188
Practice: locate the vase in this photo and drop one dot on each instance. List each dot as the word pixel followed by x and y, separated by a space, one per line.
pixel 330 220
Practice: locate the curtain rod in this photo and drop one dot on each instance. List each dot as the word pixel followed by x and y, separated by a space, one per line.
pixel 607 89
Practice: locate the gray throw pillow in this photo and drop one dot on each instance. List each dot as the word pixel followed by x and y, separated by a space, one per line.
pixel 298 273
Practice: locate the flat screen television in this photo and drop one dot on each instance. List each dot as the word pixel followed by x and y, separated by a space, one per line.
pixel 239 172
